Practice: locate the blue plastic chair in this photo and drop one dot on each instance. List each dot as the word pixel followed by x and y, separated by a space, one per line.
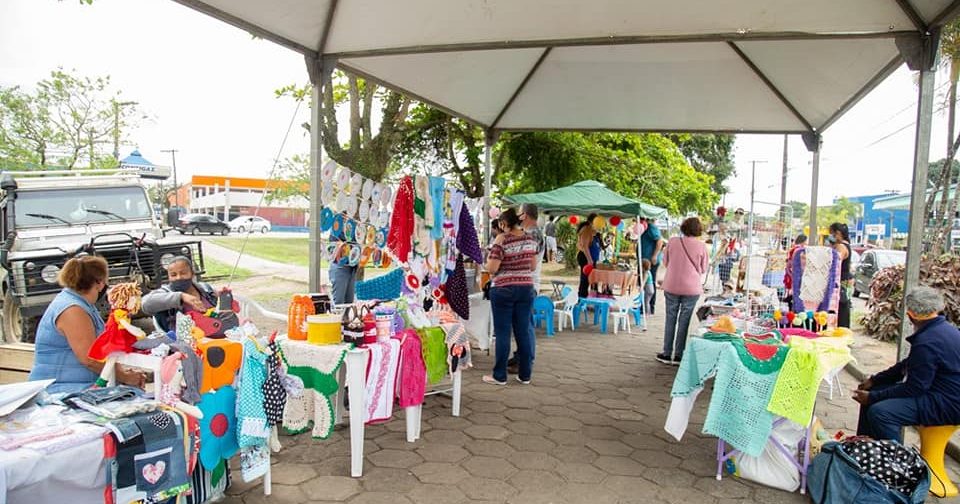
pixel 639 317
pixel 543 313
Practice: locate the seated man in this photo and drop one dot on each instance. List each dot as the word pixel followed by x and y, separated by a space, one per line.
pixel 924 388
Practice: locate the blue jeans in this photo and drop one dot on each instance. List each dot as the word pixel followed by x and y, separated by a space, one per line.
pixel 512 309
pixel 886 419
pixel 653 297
pixel 343 279
pixel 679 312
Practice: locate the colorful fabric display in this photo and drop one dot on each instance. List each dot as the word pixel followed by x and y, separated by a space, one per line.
pixel 437 197
pixel 795 391
pixel 456 207
pixel 457 293
pixel 401 222
pixel 738 409
pixel 434 353
pixel 467 241
pixel 254 462
pixel 317 367
pixel 253 429
pixel 384 287
pixel 818 279
pixel 381 380
pixel 221 361
pixel 413 372
pixel 458 347
pixel 761 358
pixel 274 393
pixel 218 427
pixel 153 465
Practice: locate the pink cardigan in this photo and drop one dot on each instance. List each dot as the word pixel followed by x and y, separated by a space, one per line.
pixel 684 276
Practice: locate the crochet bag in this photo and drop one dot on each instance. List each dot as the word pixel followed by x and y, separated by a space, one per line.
pixel 353 325
pixel 384 287
pixel 835 477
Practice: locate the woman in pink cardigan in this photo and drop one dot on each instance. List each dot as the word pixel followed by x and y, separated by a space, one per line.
pixel 686 261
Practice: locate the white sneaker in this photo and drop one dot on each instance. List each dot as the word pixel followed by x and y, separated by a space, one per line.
pixel 525 382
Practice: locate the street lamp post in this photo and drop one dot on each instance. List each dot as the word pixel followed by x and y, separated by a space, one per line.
pixel 176 189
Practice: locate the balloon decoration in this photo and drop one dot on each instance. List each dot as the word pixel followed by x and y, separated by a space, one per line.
pixel 615 221
pixel 588 269
pixel 599 222
pixel 573 220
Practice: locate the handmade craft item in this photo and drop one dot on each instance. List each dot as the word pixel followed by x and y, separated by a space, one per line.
pixel 120 334
pixel 218 428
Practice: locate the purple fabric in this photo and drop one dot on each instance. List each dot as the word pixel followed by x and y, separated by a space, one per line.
pixel 457 291
pixel 467 241
pixel 798 280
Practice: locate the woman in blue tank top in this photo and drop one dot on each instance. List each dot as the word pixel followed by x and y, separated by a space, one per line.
pixel 70 325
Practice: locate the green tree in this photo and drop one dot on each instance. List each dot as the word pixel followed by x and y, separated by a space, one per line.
pixel 710 154
pixel 67 120
pixel 950 56
pixel 291 179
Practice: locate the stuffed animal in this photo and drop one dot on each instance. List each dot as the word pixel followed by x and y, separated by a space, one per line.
pixel 172 384
pixel 120 334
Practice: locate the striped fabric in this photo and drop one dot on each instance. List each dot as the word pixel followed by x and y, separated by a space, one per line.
pixel 516 255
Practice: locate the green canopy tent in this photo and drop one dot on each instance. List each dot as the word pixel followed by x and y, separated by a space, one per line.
pixel 587 197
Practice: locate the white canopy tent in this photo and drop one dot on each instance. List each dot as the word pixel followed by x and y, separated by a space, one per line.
pixel 772 66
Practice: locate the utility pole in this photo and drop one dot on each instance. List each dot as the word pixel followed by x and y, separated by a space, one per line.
pixel 783 180
pixel 176 189
pixel 116 126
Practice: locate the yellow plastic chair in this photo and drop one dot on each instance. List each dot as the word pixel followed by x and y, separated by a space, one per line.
pixel 933 443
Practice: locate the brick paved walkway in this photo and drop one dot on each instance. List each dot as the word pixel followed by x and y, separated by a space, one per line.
pixel 588 430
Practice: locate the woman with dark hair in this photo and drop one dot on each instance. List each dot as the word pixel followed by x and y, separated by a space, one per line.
pixel 686 261
pixel 69 327
pixel 511 261
pixel 585 247
pixel 840 239
pixel 181 294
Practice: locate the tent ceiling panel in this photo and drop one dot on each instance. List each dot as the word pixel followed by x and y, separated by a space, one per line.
pixel 929 9
pixel 425 23
pixel 677 87
pixel 819 76
pixel 300 21
pixel 477 84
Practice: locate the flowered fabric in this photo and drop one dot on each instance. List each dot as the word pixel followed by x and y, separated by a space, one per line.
pixel 218 427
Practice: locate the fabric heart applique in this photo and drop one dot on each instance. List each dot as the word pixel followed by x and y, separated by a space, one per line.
pixel 153 472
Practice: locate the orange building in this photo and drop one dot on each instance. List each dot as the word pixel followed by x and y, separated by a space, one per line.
pixel 231 197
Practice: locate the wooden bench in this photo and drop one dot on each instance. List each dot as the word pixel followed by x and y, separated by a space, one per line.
pixel 16 361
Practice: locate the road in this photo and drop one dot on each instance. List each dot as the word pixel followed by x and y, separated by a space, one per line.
pixel 262 267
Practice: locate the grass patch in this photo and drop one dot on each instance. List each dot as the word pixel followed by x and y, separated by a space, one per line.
pixel 282 250
pixel 215 268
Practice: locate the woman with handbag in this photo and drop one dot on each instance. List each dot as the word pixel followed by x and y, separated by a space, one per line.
pixel 511 261
pixel 686 261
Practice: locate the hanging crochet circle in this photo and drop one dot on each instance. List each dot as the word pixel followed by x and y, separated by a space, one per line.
pixel 326 219
pixel 343 179
pixel 356 184
pixel 385 195
pixel 367 189
pixel 761 358
pixel 326 194
pixel 375 193
pixel 364 211
pixel 371 236
pixel 382 238
pixel 328 171
pixel 348 227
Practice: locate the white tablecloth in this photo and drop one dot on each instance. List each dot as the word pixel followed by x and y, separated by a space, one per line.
pixel 479 326
pixel 76 474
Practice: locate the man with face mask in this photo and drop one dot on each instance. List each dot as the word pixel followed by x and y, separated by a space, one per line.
pixel 182 294
pixel 924 388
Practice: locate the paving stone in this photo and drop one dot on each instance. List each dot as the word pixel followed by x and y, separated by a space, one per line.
pixel 534 461
pixel 436 494
pixel 608 447
pixel 486 489
pixel 536 481
pixel 294 474
pixel 561 423
pixel 438 472
pixel 574 454
pixel 579 472
pixel 529 415
pixel 490 448
pixel 537 497
pixel 385 479
pixel 494 432
pixel 281 494
pixel 444 436
pixel 442 453
pixel 524 427
pixel 522 442
pixel 394 458
pixel 558 411
pixel 588 492
pixel 489 467
pixel 652 458
pixel 380 498
pixel 331 488
pixel 601 432
pixel 621 466
pixel 679 495
pixel 728 488
pixel 631 486
pixel 616 404
pixel 488 419
pixel 448 423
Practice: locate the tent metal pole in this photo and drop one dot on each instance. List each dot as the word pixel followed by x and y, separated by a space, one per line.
pixel 319 75
pixel 488 139
pixel 921 159
pixel 814 234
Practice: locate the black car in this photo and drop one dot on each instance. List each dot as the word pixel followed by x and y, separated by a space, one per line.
pixel 202 223
pixel 872 261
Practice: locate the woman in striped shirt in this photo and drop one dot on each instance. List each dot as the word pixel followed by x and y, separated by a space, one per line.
pixel 511 262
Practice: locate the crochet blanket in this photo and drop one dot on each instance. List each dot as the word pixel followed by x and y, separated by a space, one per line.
pixel 818 278
pixel 795 392
pixel 381 380
pixel 317 366
pixel 434 353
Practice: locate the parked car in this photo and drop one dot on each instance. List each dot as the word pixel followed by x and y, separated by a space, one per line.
pixel 202 223
pixel 250 223
pixel 874 260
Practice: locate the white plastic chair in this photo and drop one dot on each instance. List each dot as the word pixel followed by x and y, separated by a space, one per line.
pixel 565 312
pixel 624 305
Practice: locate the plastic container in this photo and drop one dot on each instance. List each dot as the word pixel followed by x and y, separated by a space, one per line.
pixel 385 327
pixel 323 329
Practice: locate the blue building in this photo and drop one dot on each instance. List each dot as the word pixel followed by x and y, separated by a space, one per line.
pixel 894 221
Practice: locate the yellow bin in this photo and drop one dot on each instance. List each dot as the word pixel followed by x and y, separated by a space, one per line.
pixel 323 329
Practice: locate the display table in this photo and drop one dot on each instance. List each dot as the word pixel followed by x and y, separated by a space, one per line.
pixel 625 280
pixel 352 381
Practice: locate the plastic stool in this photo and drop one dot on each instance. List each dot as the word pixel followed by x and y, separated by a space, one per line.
pixel 933 443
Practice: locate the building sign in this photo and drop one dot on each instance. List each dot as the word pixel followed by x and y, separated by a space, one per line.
pixel 148 171
pixel 875 229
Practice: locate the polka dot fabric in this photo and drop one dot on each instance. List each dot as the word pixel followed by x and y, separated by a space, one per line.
pixel 895 466
pixel 274 395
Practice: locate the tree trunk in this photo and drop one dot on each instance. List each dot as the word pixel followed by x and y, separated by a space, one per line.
pixel 948 206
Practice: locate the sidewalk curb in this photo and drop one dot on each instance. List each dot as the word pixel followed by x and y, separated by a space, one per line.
pixel 953 449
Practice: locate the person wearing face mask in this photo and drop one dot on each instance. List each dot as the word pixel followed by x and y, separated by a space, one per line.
pixel 69 327
pixel 839 239
pixel 924 388
pixel 181 294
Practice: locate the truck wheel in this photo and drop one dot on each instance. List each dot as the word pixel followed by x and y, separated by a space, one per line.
pixel 193 231
pixel 12 320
